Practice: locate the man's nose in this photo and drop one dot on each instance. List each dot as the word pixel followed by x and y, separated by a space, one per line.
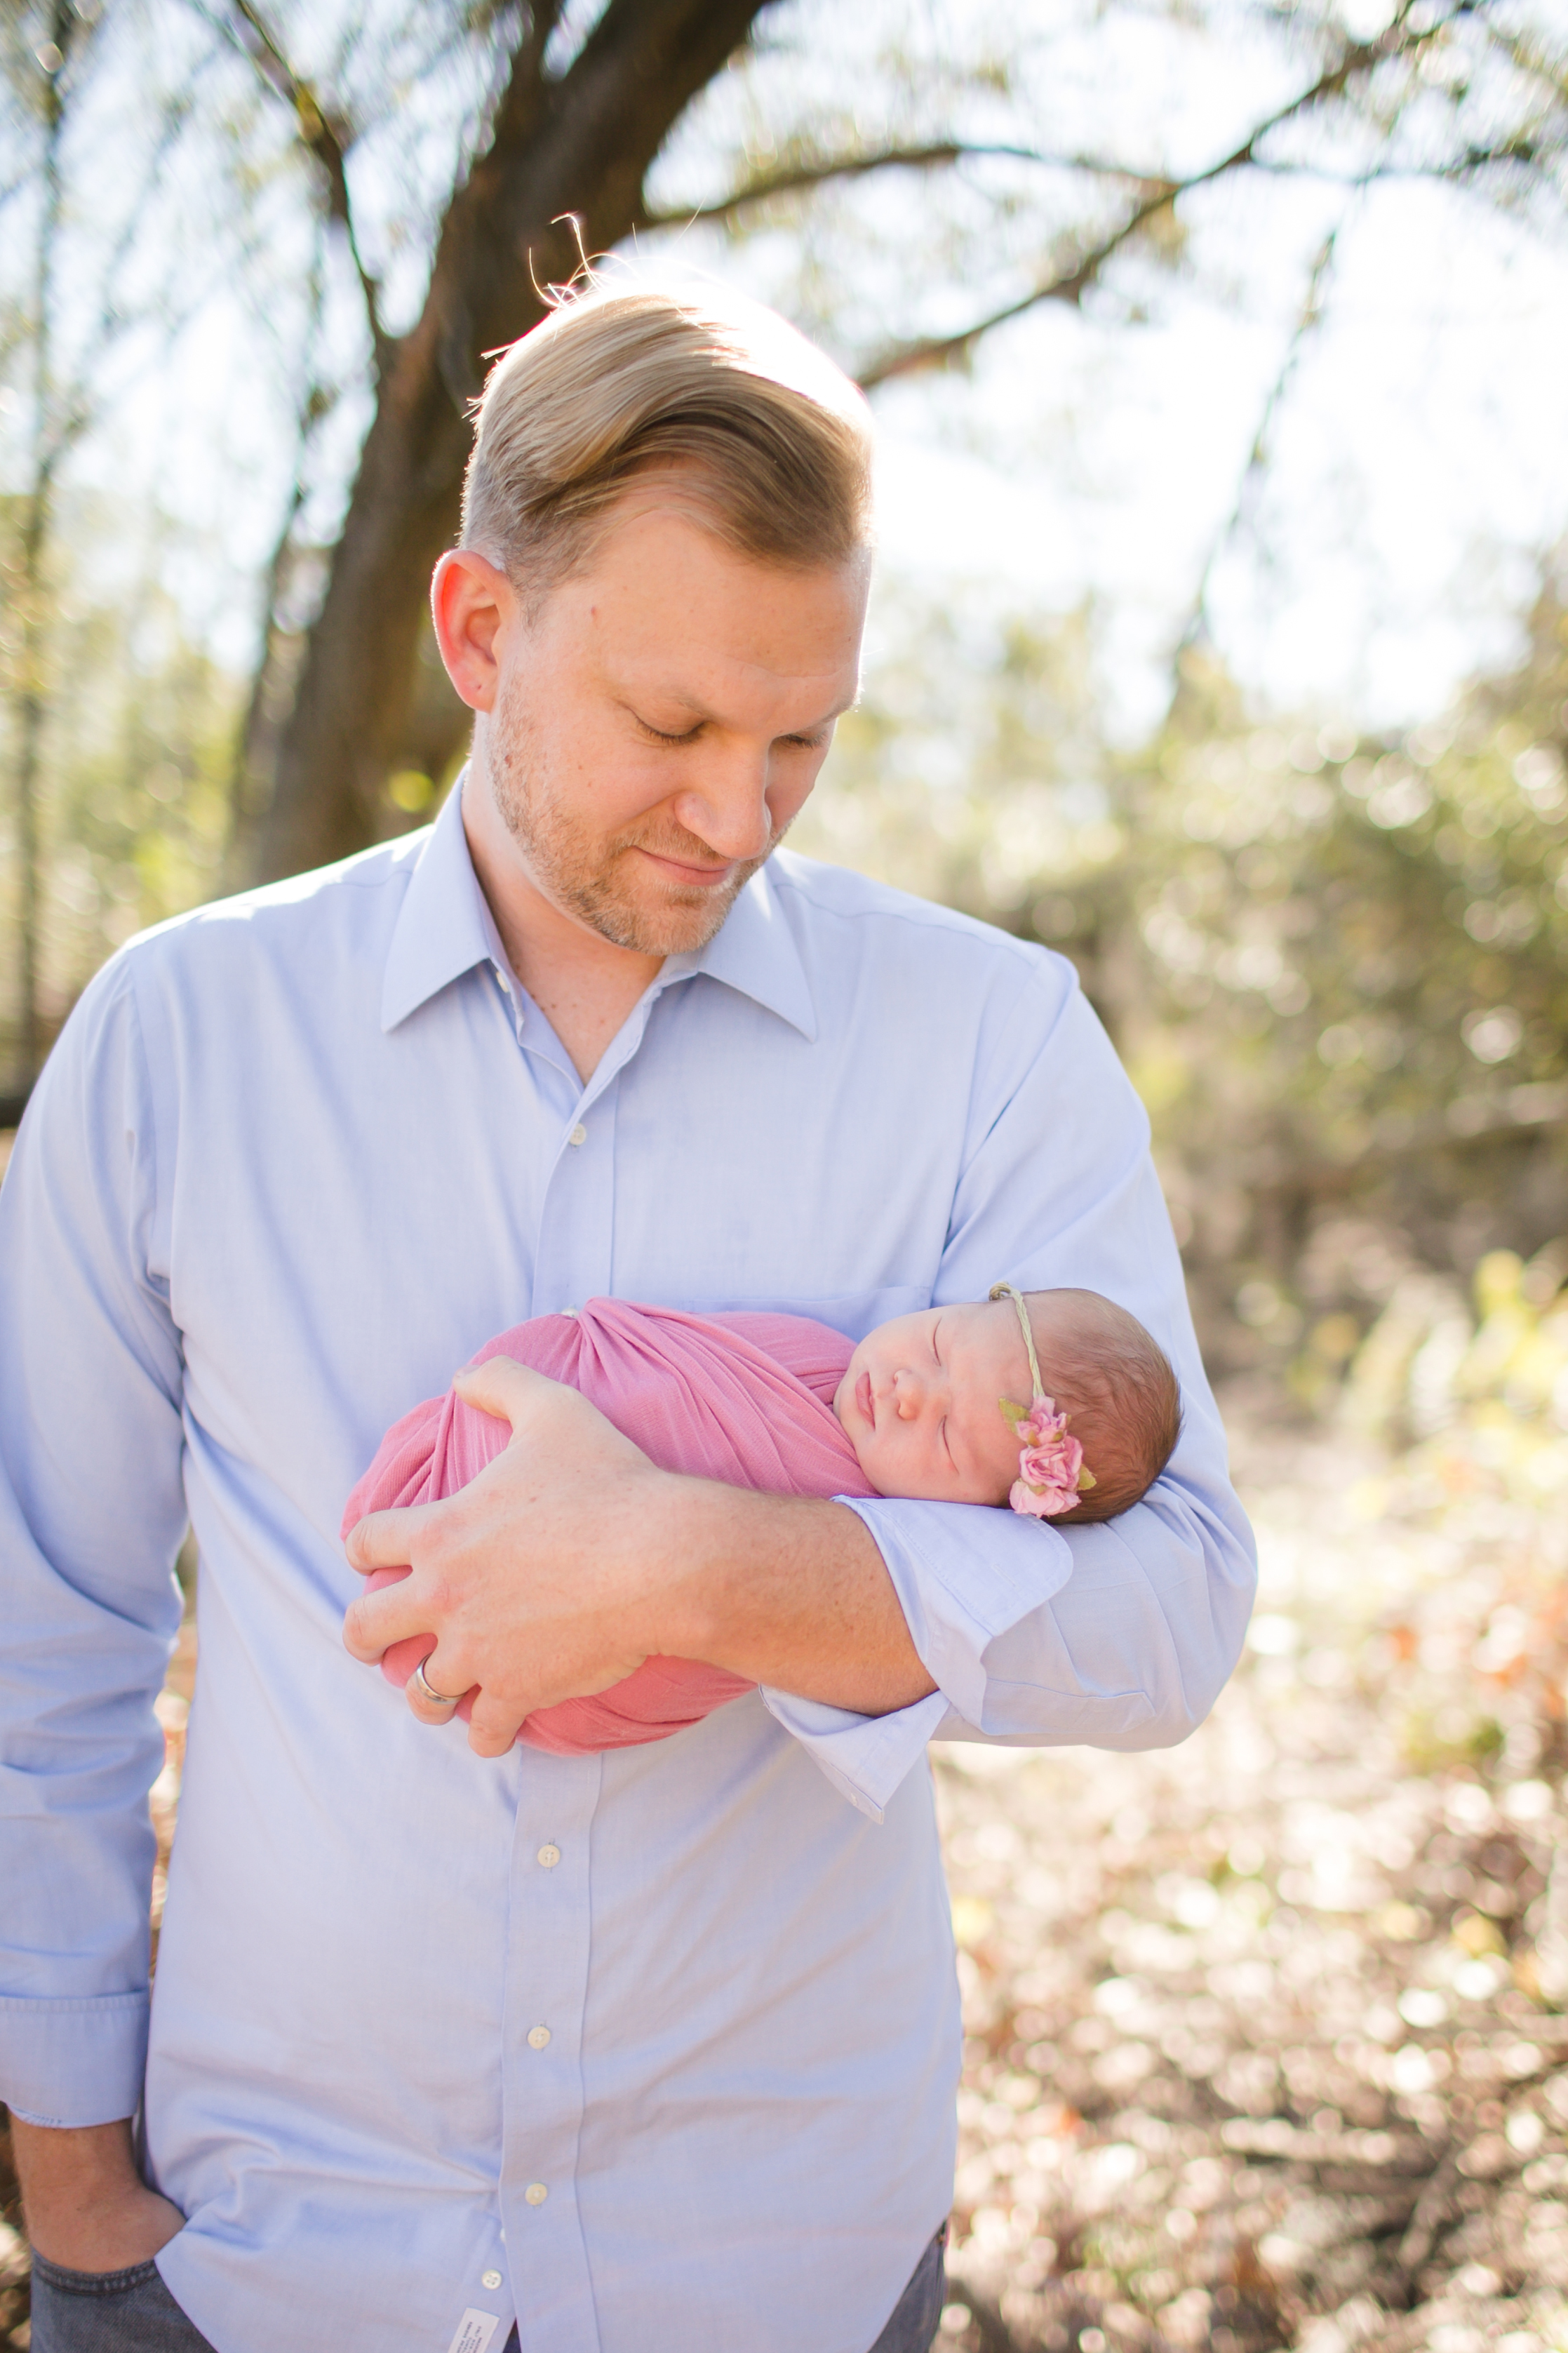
pixel 727 806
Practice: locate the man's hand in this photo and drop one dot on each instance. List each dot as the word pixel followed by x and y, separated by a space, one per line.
pixel 571 1558
pixel 532 1578
pixel 86 2207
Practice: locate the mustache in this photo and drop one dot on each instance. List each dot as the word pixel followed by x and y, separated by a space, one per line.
pixel 687 849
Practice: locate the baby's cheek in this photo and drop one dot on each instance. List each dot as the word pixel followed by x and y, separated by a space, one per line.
pixel 898 1464
pixel 872 1456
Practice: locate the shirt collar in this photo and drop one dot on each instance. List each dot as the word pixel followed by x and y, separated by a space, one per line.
pixel 442 929
pixel 755 953
pixel 445 928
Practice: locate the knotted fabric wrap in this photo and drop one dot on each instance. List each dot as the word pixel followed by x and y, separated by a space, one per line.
pixel 745 1398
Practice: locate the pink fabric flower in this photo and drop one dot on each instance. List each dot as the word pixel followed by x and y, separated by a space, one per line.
pixel 1051 1475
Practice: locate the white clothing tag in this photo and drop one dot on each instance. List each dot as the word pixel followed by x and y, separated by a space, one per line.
pixel 474 2332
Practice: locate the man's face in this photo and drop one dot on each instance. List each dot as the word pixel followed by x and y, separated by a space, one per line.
pixel 661 717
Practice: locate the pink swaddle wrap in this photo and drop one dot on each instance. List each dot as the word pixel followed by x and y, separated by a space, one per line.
pixel 745 1398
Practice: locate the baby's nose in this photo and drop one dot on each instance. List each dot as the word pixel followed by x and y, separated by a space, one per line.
pixel 911 1394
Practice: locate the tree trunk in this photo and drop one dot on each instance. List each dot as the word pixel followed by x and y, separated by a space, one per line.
pixel 579 145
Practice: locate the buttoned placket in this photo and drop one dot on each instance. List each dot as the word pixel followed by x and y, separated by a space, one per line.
pixel 550 1923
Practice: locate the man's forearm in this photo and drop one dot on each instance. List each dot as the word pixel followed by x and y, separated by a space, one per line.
pixel 787 1591
pixel 86 2204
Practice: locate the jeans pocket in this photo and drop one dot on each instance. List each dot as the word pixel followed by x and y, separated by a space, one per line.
pixel 69 2282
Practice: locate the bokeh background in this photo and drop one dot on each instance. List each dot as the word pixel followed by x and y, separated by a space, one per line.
pixel 1219 353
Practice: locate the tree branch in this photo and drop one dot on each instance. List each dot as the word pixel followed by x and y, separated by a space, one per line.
pixel 792 178
pixel 325 135
pixel 1070 285
pixel 1519 148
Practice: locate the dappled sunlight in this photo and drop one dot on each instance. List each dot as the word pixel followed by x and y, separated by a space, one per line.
pixel 1266 2043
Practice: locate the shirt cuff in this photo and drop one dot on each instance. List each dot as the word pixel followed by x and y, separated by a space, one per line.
pixel 864 1757
pixel 964 1575
pixel 75 2061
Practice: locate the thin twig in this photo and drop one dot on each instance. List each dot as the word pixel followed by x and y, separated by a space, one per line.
pixel 323 134
pixel 1070 285
pixel 792 179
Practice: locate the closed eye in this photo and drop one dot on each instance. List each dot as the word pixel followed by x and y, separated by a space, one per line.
pixel 662 735
pixel 936 1352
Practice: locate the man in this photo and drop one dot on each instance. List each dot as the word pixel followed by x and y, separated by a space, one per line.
pixel 630 2053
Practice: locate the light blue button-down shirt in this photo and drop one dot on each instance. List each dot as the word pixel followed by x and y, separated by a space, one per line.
pixel 294 1159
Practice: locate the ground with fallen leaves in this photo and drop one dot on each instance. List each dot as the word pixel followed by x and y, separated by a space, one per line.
pixel 1267 2043
pixel 1264 2043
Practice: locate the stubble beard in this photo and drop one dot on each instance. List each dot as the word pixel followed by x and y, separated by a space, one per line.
pixel 602 879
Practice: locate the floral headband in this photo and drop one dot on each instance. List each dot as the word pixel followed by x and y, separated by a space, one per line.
pixel 1051 1472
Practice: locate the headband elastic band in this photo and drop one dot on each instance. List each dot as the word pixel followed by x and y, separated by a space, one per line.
pixel 1052 1473
pixel 1010 1290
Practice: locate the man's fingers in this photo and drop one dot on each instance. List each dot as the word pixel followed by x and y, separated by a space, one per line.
pixel 386 1539
pixel 501 1386
pixel 427 1678
pixel 492 1724
pixel 374 1621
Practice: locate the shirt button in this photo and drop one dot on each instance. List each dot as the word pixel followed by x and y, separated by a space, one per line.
pixel 490 2279
pixel 579 1134
pixel 550 1855
pixel 536 2193
pixel 538 2036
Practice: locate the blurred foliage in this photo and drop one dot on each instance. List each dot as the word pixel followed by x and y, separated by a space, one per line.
pixel 1481 1399
pixel 1330 961
pixel 138 751
pixel 1326 939
pixel 1364 937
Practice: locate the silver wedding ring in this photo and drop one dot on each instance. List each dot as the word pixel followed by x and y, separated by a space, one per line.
pixel 435 1698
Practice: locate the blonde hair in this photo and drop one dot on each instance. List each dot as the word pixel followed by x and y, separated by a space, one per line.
pixel 625 379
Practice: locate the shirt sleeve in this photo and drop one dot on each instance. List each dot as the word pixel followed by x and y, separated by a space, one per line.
pixel 1120 1634
pixel 92 1515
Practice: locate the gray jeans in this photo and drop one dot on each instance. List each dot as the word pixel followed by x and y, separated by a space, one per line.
pixel 918 2313
pixel 132 2311
pixel 107 2312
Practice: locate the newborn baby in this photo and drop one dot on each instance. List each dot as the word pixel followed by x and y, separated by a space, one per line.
pixel 930 1404
pixel 1059 1404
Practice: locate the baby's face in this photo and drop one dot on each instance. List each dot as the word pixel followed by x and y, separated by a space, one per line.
pixel 921 1403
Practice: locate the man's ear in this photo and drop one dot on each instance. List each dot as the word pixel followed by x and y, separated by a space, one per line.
pixel 473 606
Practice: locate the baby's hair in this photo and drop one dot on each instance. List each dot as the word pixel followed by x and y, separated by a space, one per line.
pixel 1119 1391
